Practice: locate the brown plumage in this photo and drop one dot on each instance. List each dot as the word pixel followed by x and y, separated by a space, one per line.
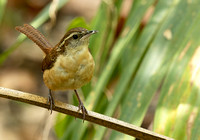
pixel 35 36
pixel 68 65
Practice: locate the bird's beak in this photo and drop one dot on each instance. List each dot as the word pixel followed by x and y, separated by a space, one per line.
pixel 89 33
pixel 92 32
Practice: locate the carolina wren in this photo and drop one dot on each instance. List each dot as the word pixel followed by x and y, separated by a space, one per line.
pixel 67 66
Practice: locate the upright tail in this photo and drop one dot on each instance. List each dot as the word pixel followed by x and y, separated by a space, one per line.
pixel 35 36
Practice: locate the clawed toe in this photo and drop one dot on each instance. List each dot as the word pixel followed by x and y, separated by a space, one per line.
pixel 50 102
pixel 83 109
pixel 81 106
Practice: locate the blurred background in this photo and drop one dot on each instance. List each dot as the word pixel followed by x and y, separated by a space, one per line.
pixel 147 67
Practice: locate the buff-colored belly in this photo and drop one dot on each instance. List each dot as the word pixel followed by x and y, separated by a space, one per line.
pixel 70 72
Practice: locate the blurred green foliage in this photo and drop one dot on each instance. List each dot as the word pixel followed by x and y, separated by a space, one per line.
pixel 2 9
pixel 147 58
pixel 76 22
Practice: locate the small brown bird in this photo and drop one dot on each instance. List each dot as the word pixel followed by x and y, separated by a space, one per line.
pixel 67 66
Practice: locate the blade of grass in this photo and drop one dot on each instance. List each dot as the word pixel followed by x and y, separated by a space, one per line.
pixel 153 68
pixel 175 97
pixel 127 71
pixel 2 9
pixel 196 125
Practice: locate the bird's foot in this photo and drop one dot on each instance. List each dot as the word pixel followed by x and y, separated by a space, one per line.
pixel 50 102
pixel 83 109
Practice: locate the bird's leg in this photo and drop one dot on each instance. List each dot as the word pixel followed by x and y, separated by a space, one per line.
pixel 81 106
pixel 50 101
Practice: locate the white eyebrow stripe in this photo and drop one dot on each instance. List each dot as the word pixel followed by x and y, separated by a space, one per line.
pixel 62 43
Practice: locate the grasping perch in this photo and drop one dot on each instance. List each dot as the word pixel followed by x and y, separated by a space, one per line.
pixel 66 66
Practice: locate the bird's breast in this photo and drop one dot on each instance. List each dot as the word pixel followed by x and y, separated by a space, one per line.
pixel 70 71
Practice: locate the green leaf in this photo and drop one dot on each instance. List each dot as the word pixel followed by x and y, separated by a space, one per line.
pixel 195 131
pixel 178 98
pixel 157 59
pixel 78 22
pixel 2 9
pixel 128 70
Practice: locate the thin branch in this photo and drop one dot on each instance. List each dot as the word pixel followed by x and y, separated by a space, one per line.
pixel 94 117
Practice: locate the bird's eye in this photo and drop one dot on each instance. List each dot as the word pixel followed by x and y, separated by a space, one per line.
pixel 75 36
